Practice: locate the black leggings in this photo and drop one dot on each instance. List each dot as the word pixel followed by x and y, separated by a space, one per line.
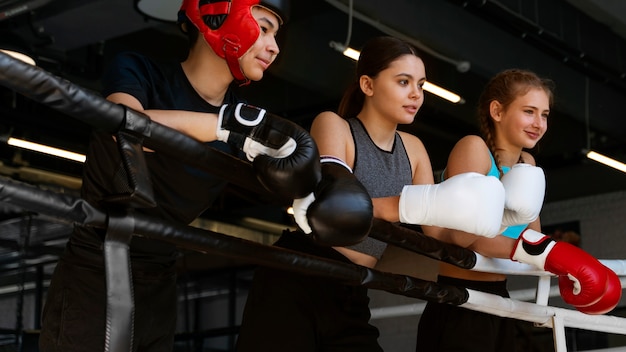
pixel 289 312
pixel 445 327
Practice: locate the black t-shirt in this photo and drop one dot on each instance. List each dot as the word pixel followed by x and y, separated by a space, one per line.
pixel 182 192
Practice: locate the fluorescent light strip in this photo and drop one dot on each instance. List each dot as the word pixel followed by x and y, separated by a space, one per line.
pixel 606 161
pixel 441 92
pixel 429 87
pixel 351 53
pixel 46 149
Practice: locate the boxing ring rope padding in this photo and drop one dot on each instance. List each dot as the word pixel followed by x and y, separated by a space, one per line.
pixel 506 266
pixel 120 295
pixel 506 307
pixel 213 243
pixel 92 109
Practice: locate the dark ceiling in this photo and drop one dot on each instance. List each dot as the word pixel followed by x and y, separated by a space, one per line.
pixel 579 44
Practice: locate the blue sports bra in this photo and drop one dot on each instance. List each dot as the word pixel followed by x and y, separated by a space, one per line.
pixel 511 231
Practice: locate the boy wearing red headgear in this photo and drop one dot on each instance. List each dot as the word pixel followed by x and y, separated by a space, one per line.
pixel 229 41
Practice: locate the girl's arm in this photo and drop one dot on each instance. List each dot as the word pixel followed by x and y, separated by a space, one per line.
pixel 332 136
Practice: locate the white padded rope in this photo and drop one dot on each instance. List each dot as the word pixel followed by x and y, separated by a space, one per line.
pixel 510 308
pixel 510 267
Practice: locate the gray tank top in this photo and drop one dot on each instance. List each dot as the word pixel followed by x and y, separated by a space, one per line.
pixel 382 173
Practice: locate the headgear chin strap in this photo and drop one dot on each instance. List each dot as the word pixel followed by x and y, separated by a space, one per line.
pixel 227 26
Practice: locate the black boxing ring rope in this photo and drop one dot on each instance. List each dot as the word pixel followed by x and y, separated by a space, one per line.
pixel 78 211
pixel 91 108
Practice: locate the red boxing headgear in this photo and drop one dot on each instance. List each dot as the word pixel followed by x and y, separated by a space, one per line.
pixel 227 26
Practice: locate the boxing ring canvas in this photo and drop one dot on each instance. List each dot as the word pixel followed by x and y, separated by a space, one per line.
pixel 71 99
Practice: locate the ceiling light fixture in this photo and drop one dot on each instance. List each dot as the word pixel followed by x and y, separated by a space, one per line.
pixel 606 160
pixel 595 156
pixel 20 143
pixel 345 50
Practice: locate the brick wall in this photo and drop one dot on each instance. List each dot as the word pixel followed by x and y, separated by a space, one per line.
pixel 602 222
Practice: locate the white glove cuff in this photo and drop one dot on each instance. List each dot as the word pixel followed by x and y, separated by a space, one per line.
pixel 300 207
pixel 414 203
pixel 532 238
pixel 222 135
pixel 332 159
pixel 253 149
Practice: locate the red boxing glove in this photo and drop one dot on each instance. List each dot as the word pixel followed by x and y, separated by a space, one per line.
pixel 610 299
pixel 582 278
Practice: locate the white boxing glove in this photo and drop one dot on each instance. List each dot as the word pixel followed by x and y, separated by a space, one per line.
pixel 524 188
pixel 469 202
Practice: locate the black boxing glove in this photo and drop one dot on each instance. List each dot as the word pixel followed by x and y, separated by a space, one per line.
pixel 339 212
pixel 283 154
